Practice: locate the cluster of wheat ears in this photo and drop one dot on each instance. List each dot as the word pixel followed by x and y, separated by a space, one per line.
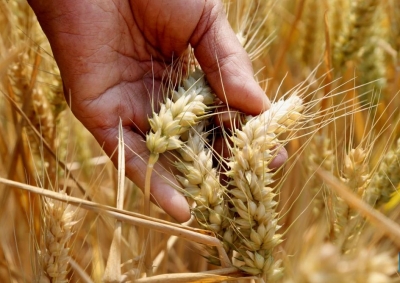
pixel 331 69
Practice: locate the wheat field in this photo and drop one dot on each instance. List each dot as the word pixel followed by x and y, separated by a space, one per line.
pixel 332 71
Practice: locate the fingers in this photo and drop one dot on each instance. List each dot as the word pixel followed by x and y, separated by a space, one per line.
pixel 162 181
pixel 225 63
pixel 279 160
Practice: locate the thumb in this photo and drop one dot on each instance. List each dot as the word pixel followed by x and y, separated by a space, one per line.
pixel 225 63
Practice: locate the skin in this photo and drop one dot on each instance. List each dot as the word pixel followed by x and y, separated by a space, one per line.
pixel 112 55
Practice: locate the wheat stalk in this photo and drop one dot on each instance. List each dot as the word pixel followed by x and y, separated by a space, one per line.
pixel 112 272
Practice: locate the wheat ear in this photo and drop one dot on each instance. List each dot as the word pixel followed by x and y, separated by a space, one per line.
pixel 320 154
pixel 186 106
pixel 176 116
pixel 355 176
pixel 58 223
pixel 201 182
pixel 385 181
pixel 356 31
pixel 255 218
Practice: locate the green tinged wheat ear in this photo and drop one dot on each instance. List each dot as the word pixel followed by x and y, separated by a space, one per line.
pixel 177 115
pixel 185 107
pixel 57 230
pixel 348 222
pixel 338 9
pixel 312 23
pixel 355 32
pixel 251 230
pixel 356 177
pixel 320 154
pixel 395 27
pixel 385 180
pixel 372 65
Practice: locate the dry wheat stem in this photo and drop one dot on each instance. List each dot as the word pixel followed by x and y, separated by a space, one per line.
pixel 219 275
pixel 131 218
pixel 79 271
pixel 112 272
pixel 45 144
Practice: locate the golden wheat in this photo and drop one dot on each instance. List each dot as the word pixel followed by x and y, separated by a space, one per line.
pixel 261 221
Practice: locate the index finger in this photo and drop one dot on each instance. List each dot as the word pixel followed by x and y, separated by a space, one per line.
pixel 225 63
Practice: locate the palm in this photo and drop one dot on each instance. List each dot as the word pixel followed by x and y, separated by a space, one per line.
pixel 112 55
pixel 114 64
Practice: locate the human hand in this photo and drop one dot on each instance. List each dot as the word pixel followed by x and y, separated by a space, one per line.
pixel 112 55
